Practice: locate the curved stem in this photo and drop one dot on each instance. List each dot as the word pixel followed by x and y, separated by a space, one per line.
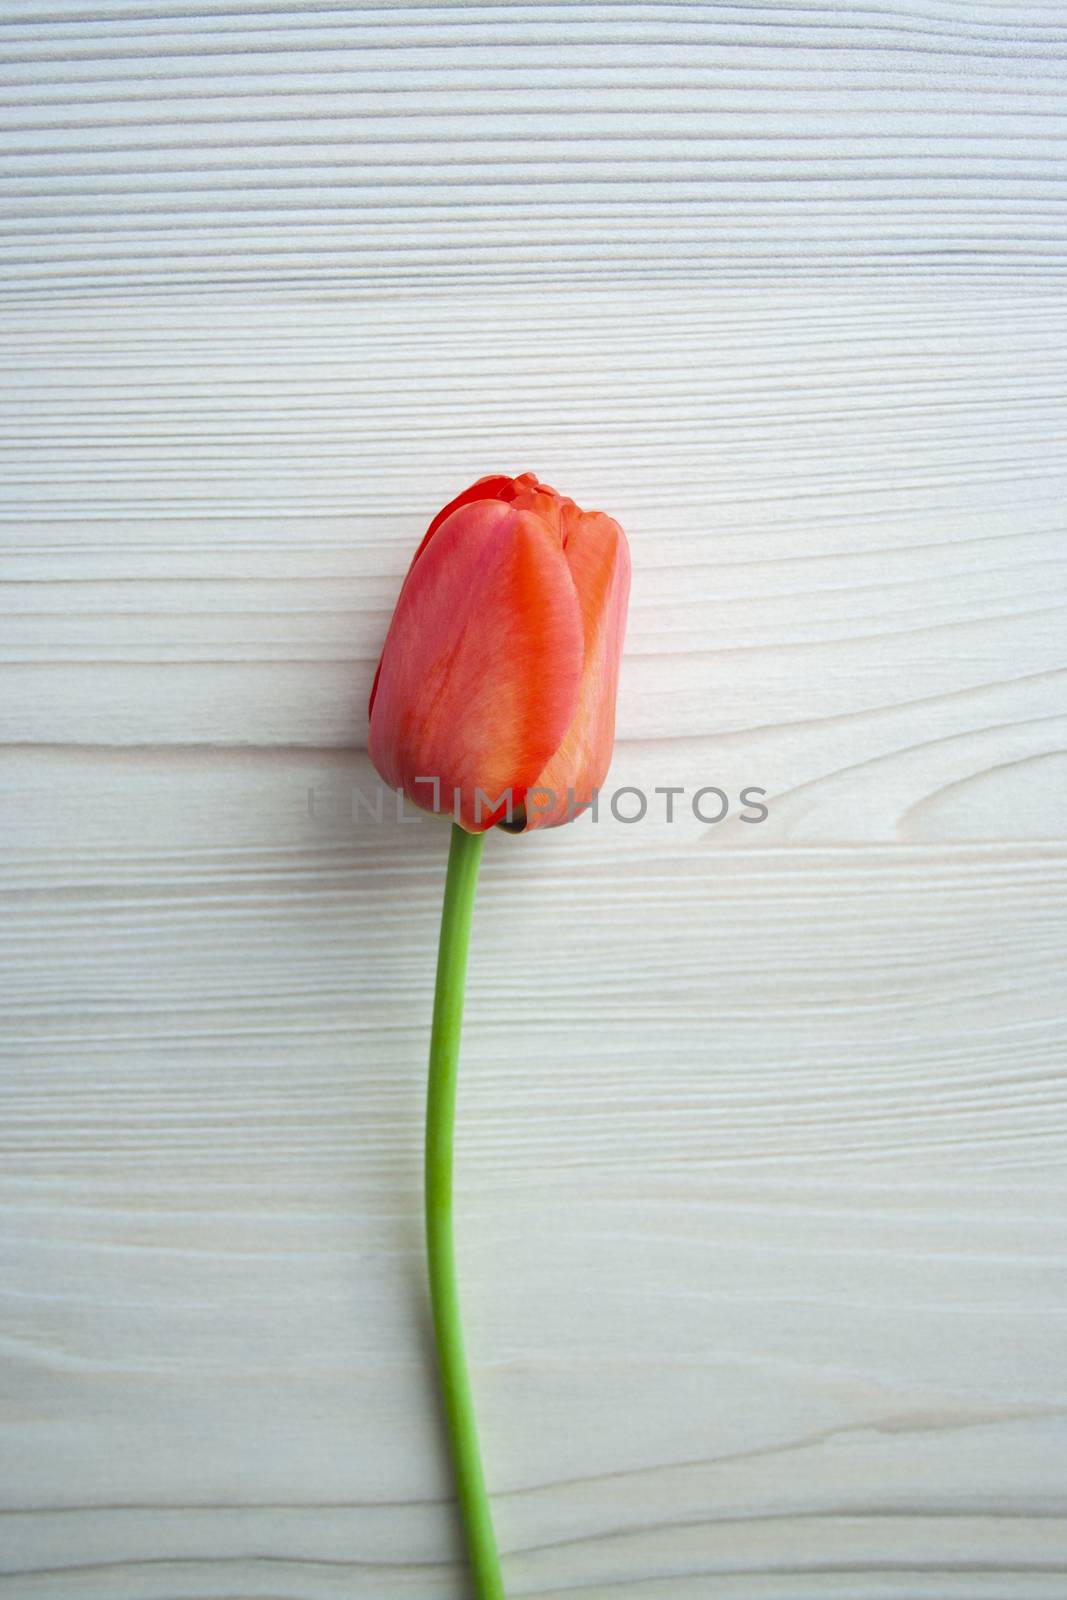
pixel 464 856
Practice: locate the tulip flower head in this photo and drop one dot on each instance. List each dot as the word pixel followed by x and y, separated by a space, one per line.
pixel 494 699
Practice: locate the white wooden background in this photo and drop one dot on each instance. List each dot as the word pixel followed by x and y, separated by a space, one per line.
pixel 763 1133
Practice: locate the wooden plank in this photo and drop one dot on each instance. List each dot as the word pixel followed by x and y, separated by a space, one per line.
pixel 762 1139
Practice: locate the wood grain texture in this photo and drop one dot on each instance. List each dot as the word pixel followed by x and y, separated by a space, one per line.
pixel 763 1128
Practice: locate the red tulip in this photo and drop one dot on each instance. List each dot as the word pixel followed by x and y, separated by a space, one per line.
pixel 500 668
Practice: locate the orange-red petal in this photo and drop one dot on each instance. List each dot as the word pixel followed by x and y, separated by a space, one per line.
pixel 599 560
pixel 494 487
pixel 479 679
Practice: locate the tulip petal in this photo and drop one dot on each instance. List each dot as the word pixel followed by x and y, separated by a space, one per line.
pixel 479 678
pixel 494 487
pixel 597 554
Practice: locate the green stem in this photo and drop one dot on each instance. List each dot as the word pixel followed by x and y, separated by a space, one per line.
pixel 464 857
